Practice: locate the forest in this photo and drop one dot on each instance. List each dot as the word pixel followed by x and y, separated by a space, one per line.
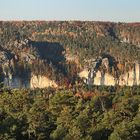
pixel 101 113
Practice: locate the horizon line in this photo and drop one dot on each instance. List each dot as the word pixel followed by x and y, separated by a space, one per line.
pixel 42 20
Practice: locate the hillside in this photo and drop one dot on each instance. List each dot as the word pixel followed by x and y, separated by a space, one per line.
pixel 69 80
pixel 60 50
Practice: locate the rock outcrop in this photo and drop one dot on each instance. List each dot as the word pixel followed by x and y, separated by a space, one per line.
pixel 105 70
pixel 129 78
pixel 41 82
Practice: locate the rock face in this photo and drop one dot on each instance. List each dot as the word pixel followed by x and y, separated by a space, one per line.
pixel 12 79
pixel 130 78
pixel 16 82
pixel 34 82
pixel 41 82
pixel 107 71
pixel 20 58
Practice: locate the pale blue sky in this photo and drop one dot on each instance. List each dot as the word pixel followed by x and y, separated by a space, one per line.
pixel 95 10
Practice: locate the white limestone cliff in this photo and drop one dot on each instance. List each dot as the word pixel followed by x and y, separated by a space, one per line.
pixel 41 82
pixel 129 78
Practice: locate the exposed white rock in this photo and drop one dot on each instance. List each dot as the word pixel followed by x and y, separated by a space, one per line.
pixel 41 82
pixel 129 79
pixel 107 79
pixel 84 73
pixel 105 62
pixel 97 79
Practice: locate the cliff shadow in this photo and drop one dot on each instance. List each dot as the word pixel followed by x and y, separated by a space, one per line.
pixel 51 51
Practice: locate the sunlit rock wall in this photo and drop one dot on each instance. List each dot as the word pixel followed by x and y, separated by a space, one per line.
pixel 33 82
pixel 41 82
pixel 129 78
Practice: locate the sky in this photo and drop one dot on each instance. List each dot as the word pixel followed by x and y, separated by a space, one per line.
pixel 91 10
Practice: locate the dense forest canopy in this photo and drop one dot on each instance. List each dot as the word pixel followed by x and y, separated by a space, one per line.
pixel 103 113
